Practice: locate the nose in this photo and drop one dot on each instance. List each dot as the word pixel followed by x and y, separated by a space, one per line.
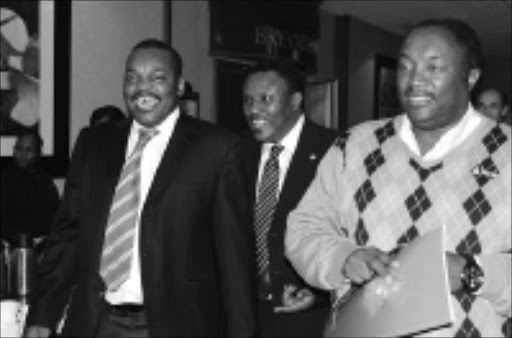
pixel 143 84
pixel 252 107
pixel 417 77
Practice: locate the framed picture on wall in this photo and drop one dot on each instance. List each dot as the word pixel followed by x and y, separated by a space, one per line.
pixel 35 78
pixel 386 103
pixel 321 102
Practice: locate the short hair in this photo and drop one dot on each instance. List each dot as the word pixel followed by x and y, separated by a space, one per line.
pixel 176 60
pixel 464 34
pixel 113 113
pixel 294 78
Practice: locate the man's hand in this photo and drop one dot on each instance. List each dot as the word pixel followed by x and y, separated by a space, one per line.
pixel 455 263
pixel 37 332
pixel 364 263
pixel 295 300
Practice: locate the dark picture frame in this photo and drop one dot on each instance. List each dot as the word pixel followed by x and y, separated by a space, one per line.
pixel 386 103
pixel 55 157
pixel 321 102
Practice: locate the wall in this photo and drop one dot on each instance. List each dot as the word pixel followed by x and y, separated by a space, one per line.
pixel 365 41
pixel 103 33
pixel 498 74
pixel 101 36
pixel 190 34
pixel 325 57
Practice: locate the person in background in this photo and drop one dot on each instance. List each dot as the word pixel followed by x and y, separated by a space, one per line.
pixel 286 146
pixel 441 164
pixel 495 104
pixel 105 114
pixel 189 101
pixel 150 240
pixel 29 197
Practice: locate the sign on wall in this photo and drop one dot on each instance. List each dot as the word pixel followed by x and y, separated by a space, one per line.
pixel 266 29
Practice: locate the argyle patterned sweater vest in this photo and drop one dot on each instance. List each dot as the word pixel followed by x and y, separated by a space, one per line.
pixel 392 196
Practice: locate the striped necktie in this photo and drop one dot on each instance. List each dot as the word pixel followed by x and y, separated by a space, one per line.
pixel 264 213
pixel 120 231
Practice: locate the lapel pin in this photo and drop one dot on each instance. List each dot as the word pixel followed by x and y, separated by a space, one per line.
pixel 481 170
pixel 312 157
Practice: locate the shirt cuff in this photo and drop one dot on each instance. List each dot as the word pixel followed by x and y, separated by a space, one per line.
pixel 333 272
pixel 497 279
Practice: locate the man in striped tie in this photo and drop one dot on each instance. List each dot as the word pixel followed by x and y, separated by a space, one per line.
pixel 150 239
pixel 280 161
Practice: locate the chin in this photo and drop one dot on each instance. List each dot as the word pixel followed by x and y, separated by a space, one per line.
pixel 419 113
pixel 144 119
pixel 259 136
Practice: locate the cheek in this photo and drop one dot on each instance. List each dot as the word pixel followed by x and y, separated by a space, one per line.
pixel 401 83
pixel 128 90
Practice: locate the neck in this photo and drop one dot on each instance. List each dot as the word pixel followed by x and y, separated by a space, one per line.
pixel 427 139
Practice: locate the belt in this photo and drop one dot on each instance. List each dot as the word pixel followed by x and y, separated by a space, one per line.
pixel 125 310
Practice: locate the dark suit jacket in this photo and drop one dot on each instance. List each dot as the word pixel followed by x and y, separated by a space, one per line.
pixel 313 142
pixel 197 257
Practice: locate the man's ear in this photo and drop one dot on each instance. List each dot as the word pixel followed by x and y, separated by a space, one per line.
pixel 181 87
pixel 473 76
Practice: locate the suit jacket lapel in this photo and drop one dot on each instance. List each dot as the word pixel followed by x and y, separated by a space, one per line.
pixel 108 175
pixel 303 161
pixel 171 159
pixel 251 158
pixel 115 154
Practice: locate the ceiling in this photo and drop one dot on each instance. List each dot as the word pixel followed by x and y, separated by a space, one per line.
pixel 490 18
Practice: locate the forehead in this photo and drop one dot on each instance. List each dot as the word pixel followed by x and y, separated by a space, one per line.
pixel 264 81
pixel 431 41
pixel 150 57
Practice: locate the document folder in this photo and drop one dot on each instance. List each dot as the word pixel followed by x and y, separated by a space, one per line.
pixel 413 298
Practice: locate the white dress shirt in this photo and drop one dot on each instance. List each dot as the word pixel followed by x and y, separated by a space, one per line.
pixel 448 141
pixel 131 289
pixel 289 142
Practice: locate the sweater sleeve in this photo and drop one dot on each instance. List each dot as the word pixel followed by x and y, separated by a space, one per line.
pixel 497 285
pixel 316 239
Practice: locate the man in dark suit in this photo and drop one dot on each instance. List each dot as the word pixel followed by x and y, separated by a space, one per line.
pixel 273 105
pixel 191 270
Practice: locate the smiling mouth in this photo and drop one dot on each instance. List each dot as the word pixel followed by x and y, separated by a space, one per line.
pixel 258 123
pixel 146 102
pixel 419 100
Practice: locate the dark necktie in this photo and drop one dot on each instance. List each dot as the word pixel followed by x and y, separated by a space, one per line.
pixel 264 214
pixel 120 231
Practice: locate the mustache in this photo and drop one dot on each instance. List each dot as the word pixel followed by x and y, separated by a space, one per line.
pixel 257 117
pixel 410 91
pixel 139 94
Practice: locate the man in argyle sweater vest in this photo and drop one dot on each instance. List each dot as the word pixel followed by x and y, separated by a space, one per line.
pixel 376 190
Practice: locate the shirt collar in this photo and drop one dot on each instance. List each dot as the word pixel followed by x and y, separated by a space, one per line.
pixel 165 128
pixel 448 141
pixel 290 140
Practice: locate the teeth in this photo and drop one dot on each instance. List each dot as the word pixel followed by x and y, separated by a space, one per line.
pixel 419 99
pixel 258 123
pixel 146 102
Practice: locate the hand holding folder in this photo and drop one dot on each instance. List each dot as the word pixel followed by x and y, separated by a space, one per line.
pixel 413 297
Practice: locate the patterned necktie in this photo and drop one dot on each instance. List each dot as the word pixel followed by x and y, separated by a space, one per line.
pixel 264 211
pixel 120 231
